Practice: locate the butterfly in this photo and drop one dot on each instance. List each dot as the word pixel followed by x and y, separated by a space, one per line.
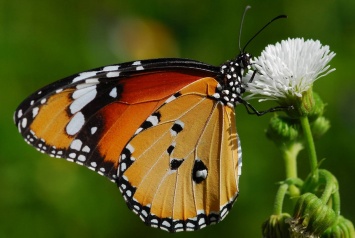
pixel 163 130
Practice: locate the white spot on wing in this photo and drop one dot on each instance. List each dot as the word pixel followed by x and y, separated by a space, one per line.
pixel 171 98
pixel 81 158
pixel 130 148
pixel 110 68
pixel 165 223
pixel 190 225
pixel 201 173
pixel 35 112
pixel 19 113
pixel 113 74
pixel 178 225
pixel 86 149
pixel 84 75
pixel 138 130
pixel 76 144
pixel 93 130
pixel 24 122
pixel 88 83
pixel 92 81
pixel 202 221
pixel 123 167
pixel 82 101
pixel 153 119
pixel 75 124
pixel 139 65
pixel 80 92
pixel 113 92
pixel 224 213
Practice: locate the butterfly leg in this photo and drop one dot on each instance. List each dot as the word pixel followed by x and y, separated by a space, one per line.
pixel 252 77
pixel 252 110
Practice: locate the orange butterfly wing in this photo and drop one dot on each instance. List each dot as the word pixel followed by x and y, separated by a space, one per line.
pixel 158 128
pixel 181 172
pixel 88 118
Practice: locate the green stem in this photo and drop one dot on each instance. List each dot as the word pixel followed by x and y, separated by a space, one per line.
pixel 331 189
pixel 336 202
pixel 289 154
pixel 279 199
pixel 309 143
pixel 327 179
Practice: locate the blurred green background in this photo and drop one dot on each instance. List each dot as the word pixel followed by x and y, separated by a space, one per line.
pixel 42 41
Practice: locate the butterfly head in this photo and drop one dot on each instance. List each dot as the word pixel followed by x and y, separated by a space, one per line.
pixel 243 60
pixel 231 86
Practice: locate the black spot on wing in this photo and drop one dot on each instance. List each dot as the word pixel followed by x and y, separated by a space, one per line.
pixel 175 163
pixel 178 94
pixel 170 149
pixel 199 171
pixel 152 120
pixel 177 127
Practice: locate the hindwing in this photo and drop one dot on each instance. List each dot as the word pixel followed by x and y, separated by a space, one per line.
pixel 180 171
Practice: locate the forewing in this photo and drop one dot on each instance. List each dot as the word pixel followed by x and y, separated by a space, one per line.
pixel 89 117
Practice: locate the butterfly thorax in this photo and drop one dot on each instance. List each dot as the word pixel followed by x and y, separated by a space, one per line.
pixel 231 86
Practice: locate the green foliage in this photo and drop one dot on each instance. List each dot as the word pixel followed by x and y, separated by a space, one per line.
pixel 42 41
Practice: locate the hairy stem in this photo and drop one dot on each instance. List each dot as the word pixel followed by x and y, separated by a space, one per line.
pixel 311 150
pixel 289 154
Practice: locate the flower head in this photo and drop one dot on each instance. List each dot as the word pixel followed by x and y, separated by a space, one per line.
pixel 311 217
pixel 288 69
pixel 276 226
pixel 342 228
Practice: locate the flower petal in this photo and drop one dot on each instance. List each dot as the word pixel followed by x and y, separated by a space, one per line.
pixel 288 69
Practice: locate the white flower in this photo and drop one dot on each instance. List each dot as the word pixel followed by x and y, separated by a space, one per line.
pixel 288 69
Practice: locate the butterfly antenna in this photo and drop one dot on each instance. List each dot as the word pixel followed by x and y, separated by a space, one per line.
pixel 241 25
pixel 274 19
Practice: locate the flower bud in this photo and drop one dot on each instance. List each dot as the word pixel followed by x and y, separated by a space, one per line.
pixel 307 103
pixel 343 228
pixel 282 129
pixel 310 105
pixel 319 127
pixel 317 108
pixel 311 216
pixel 276 226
